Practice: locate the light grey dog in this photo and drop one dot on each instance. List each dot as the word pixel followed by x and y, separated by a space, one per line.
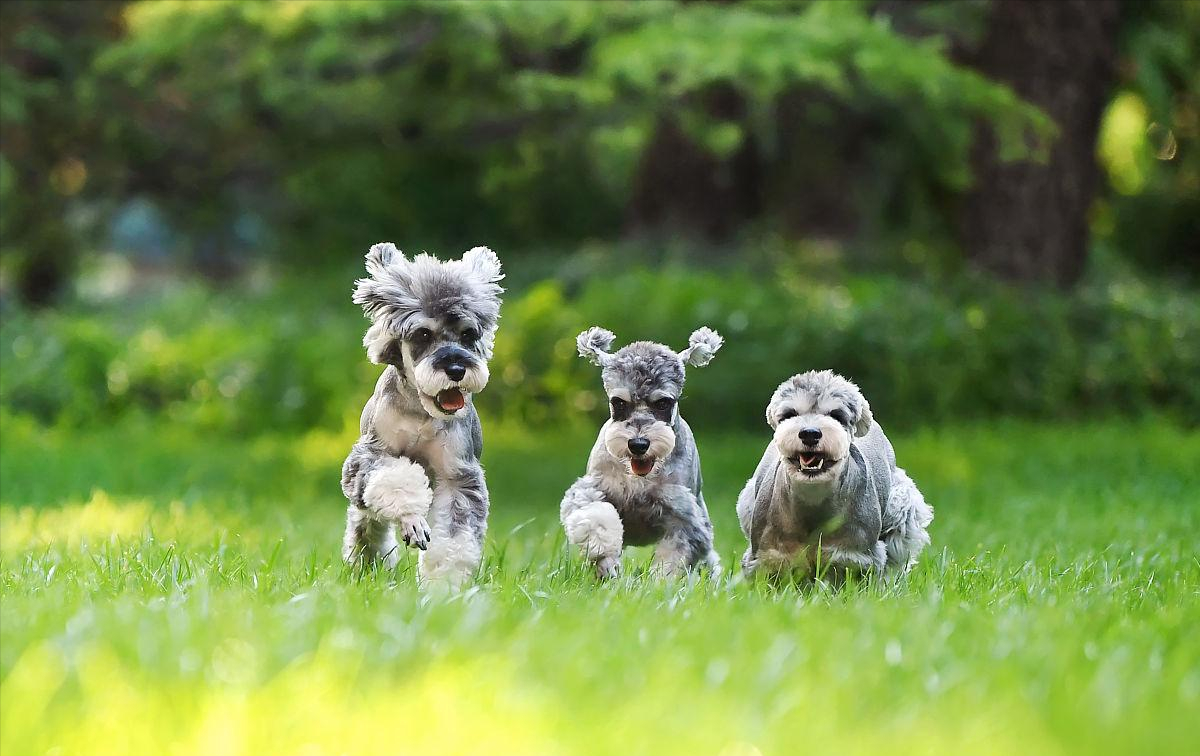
pixel 642 483
pixel 827 492
pixel 433 324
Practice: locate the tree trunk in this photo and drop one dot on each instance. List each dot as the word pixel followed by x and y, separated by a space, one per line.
pixel 1024 221
pixel 680 186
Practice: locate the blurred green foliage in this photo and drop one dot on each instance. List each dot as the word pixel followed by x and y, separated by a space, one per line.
pixel 529 124
pixel 445 124
pixel 1148 142
pixel 511 121
pixel 290 357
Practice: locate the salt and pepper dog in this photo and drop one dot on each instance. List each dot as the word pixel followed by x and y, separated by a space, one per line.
pixel 642 484
pixel 433 324
pixel 827 496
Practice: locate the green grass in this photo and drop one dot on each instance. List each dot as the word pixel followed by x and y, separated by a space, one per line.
pixel 169 592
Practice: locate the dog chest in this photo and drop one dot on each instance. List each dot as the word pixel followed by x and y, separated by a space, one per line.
pixel 642 521
pixel 410 436
pixel 401 433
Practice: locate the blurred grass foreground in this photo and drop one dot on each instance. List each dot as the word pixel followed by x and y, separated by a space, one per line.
pixel 985 213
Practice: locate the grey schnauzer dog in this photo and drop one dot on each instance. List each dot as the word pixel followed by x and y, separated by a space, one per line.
pixel 642 483
pixel 827 493
pixel 433 324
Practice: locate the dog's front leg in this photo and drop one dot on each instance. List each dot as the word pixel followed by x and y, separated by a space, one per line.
pixel 459 519
pixel 837 561
pixel 384 492
pixel 591 523
pixel 396 492
pixel 687 541
pixel 674 554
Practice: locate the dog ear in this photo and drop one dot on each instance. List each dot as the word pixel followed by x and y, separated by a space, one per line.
pixel 484 264
pixel 388 278
pixel 702 345
pixel 593 345
pixel 382 347
pixel 862 424
pixel 380 256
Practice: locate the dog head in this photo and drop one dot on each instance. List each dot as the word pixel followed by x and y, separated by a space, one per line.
pixel 816 416
pixel 643 381
pixel 434 321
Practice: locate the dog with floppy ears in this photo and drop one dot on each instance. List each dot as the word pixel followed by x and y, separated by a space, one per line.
pixel 433 324
pixel 827 496
pixel 642 483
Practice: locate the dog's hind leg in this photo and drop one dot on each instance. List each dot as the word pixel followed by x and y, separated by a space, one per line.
pixel 593 525
pixel 369 540
pixel 906 517
pixel 745 507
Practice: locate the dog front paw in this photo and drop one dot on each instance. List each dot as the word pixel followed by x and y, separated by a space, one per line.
pixel 414 531
pixel 607 568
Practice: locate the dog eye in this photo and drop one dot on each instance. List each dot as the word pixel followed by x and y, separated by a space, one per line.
pixel 840 416
pixel 787 415
pixel 620 407
pixel 664 404
pixel 422 334
pixel 469 336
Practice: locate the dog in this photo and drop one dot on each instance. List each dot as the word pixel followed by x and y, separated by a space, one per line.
pixel 642 483
pixel 827 497
pixel 433 325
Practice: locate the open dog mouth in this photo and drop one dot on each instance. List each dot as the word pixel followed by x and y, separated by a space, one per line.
pixel 641 466
pixel 450 400
pixel 811 463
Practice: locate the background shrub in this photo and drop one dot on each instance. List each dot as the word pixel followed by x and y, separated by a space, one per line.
pixel 290 356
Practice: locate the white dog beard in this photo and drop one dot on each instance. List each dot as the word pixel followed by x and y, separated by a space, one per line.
pixel 834 443
pixel 429 380
pixel 618 434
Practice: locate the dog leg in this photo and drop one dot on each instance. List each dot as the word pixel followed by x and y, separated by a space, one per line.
pixel 593 525
pixel 672 556
pixel 749 563
pixel 683 549
pixel 459 519
pixel 906 517
pixel 687 541
pixel 368 540
pixel 745 507
pixel 397 491
pixel 836 561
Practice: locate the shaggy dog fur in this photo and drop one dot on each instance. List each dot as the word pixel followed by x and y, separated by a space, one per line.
pixel 827 496
pixel 433 324
pixel 642 483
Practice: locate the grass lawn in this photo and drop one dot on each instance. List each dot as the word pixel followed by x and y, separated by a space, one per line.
pixel 168 592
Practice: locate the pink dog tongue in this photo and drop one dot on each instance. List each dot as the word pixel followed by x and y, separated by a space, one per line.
pixel 451 399
pixel 642 466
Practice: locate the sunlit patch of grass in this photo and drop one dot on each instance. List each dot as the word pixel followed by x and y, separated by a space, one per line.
pixel 330 702
pixel 322 703
pixel 103 519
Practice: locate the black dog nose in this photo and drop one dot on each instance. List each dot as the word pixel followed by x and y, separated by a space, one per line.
pixel 810 436
pixel 455 371
pixel 639 445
